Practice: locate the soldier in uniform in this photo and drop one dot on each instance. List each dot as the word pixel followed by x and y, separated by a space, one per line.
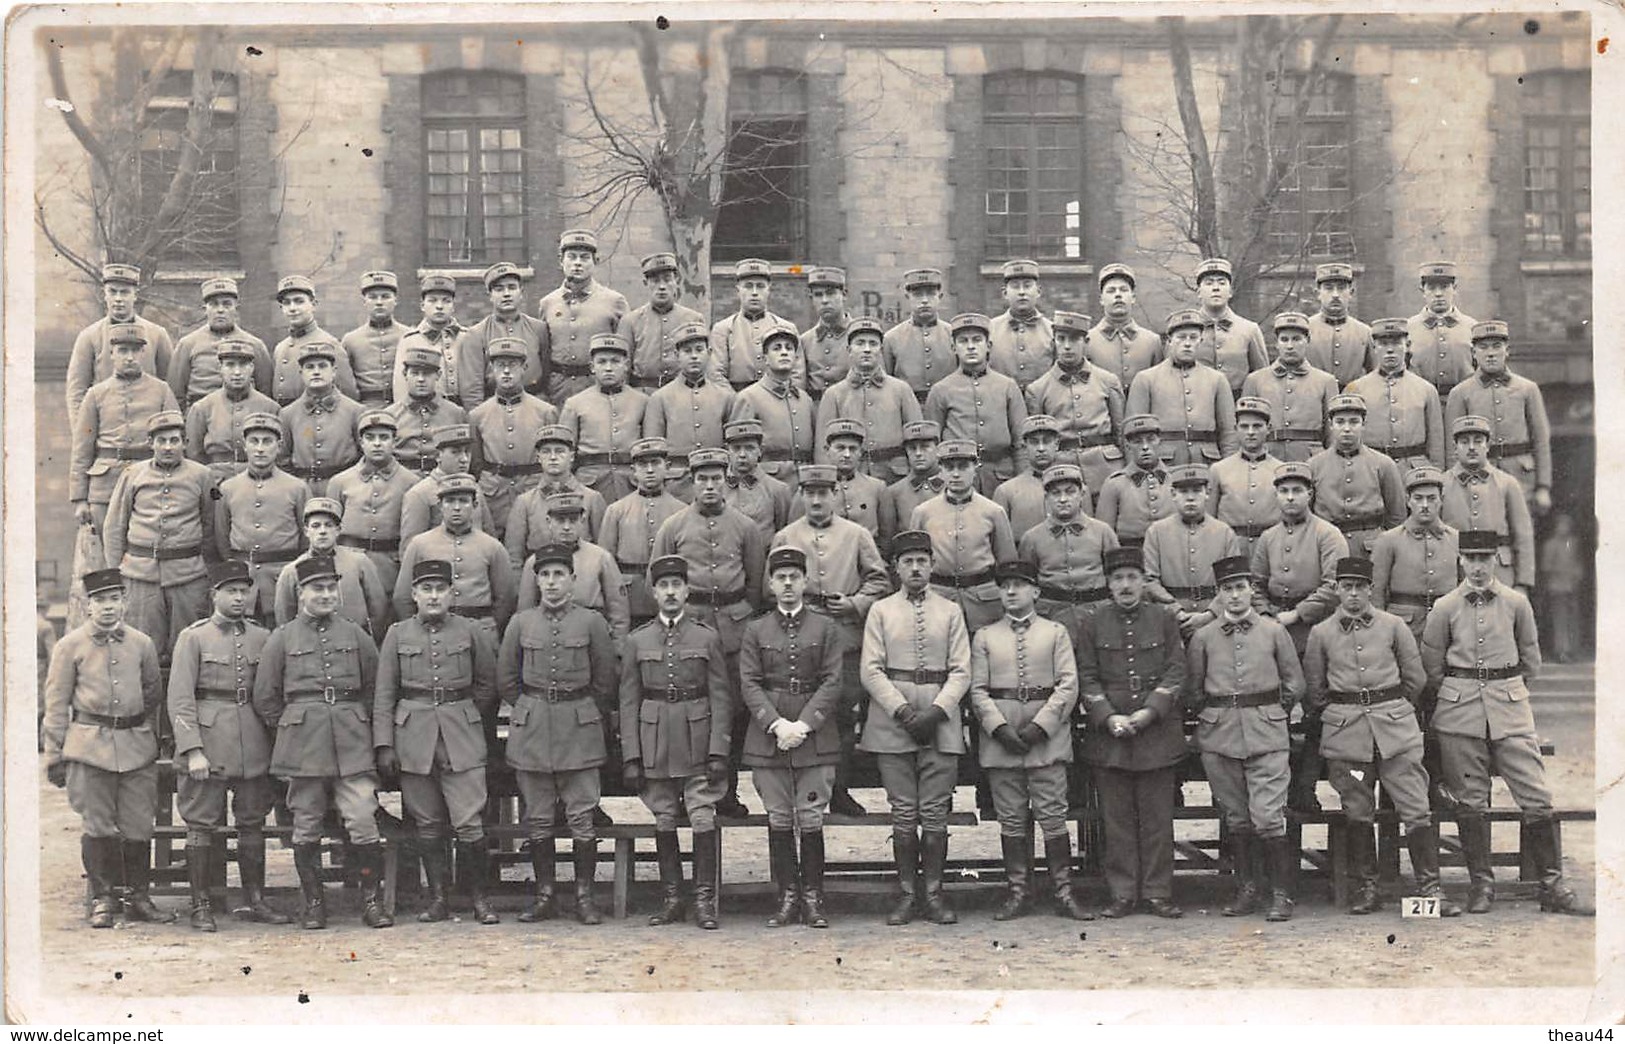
pixel 194 369
pixel 1022 496
pixel 969 535
pixel 1020 340
pixel 420 507
pixel 676 705
pixel 1131 668
pixel 652 328
pixel 363 598
pixel 1181 550
pixel 1117 344
pixel 371 494
pixel 436 688
pixel 1364 676
pixel 1067 550
pixel 978 404
pixel 599 584
pixel 1193 403
pixel 757 495
pixel 627 534
pixel 1137 495
pixel 101 690
pixel 557 669
pixel 421 410
pixel 438 332
pixel 606 418
pixel 316 683
pixel 482 576
pixel 222 744
pixel 1414 563
pixel 885 405
pixel 1479 648
pixel 786 412
pixel 296 295
pixel 1520 433
pixel 1441 334
pixel 916 670
pixel 1085 399
pixel 1241 676
pixel 1403 417
pixel 842 575
pixel 1239 492
pixel 739 341
pixel 689 410
pixel 1339 343
pixel 1229 343
pixel 259 514
pixel 857 493
pixel 160 531
pixel 1024 687
pixel 1480 496
pixel 923 481
pixel 318 427
pixel 110 430
pixel 507 321
pixel 529 526
pixel 91 360
pixel 372 346
pixel 505 429
pixel 577 311
pixel 920 350
pixel 791 679
pixel 1357 489
pixel 1297 392
pixel 214 424
pixel 824 344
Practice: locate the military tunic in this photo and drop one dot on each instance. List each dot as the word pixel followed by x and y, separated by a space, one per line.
pixel 1022 499
pixel 363 596
pixel 1402 418
pixel 1069 557
pixel 726 553
pixel 1241 494
pixel 1296 568
pixel 420 508
pixel 194 369
pixel 1491 499
pixel 530 527
pixel 605 425
pixel 986 408
pixel 259 519
pixel 1089 405
pixel 1021 350
pixel 627 535
pixel 788 421
pixel 473 368
pixel 857 499
pixel 790 668
pixel 654 351
pixel 287 384
pixel 1521 434
pixel 371 350
pixel 920 356
pixel 1442 348
pixel 1299 399
pixel 825 353
pixel 372 500
pixel 1360 493
pixel 969 537
pixel 319 438
pixel 446 342
pixel 415 422
pixel 1123 351
pixel 91 360
pixel 898 501
pixel 505 433
pixel 599 586
pixel 884 404
pixel 689 417
pixel 1195 407
pixel 482 577
pixel 1179 560
pixel 1411 568
pixel 1343 349
pixel 736 350
pixel 761 498
pixel 160 529
pixel 1232 345
pixel 573 317
pixel 214 429
pixel 110 432
pixel 1132 499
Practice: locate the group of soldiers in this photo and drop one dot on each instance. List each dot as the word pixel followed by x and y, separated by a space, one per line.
pixel 659 551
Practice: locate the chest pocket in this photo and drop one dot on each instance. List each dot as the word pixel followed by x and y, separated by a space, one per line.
pixel 1112 453
pixel 573 652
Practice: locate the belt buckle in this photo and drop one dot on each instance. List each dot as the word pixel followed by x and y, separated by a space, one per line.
pixel 795 687
pixel 552 693
pixel 1235 700
pixel 242 695
pixel 1134 683
pixel 673 695
pixel 438 694
pixel 329 695
pixel 1367 697
pixel 1482 674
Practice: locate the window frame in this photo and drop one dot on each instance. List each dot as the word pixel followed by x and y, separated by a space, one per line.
pixel 1003 245
pixel 478 251
pixel 1570 116
pixel 165 115
pixel 1311 237
pixel 790 126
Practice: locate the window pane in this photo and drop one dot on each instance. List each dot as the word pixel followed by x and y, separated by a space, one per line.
pixel 764 192
pixel 1034 164
pixel 1310 217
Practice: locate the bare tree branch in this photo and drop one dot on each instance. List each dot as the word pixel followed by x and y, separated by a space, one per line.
pixel 70 112
pixel 1204 230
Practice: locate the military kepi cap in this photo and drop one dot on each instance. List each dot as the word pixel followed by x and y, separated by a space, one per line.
pixel 578 238
pixel 316 567
pixel 500 270
pixel 654 264
pixel 554 554
pixel 1491 328
pixel 1183 318
pixel 786 558
pixel 668 565
pixel 234 349
pixel 910 540
pixel 1472 424
pixel 1071 322
pixel 431 569
pixel 452 435
pixel 323 506
pixel 921 431
pixel 652 447
pixel 708 458
pixel 1215 266
pixel 230 571
pixel 294 284
pixel 814 475
pixel 916 277
pixel 1186 475
pixel 752 267
pixel 1019 269
pixel 1346 404
pixel 1236 567
pixel 1431 270
pixel 430 284
pixel 1291 321
pixel 1334 271
pixel 505 348
pixel 1015 569
pixel 865 325
pixel 218 287
pixel 100 580
pixel 957 449
pixel 1116 270
pixel 826 276
pixel 1294 471
pixel 969 321
pixel 782 330
pixel 381 279
pixel 608 342
pixel 740 430
pixel 1254 405
pixel 121 274
pixel 1424 476
pixel 1057 473
pixel 375 419
pixel 263 421
pixel 459 484
pixel 845 428
pixel 1351 568
pixel 1040 423
pixel 1478 542
pixel 166 420
pixel 566 504
pixel 426 358
pixel 126 333
pixel 1141 424
pixel 556 433
pixel 318 350
pixel 689 332
pixel 1391 327
pixel 1123 558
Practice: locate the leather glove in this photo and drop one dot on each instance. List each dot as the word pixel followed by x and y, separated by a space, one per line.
pixel 923 728
pixel 716 770
pixel 778 727
pixel 1010 739
pixel 905 714
pixel 632 775
pixel 1033 735
pixel 57 774
pixel 388 762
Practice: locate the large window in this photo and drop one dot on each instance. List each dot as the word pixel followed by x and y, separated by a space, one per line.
pixel 206 216
pixel 1033 129
pixel 764 188
pixel 1557 164
pixel 474 151
pixel 1312 213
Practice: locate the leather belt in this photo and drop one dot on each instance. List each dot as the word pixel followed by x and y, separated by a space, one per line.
pixel 1261 698
pixel 1369 697
pixel 632 568
pixel 473 612
pixel 514 470
pixel 570 369
pixel 1023 693
pixel 1131 542
pixel 124 453
pixel 240 695
pixel 1077 442
pixel 1357 523
pixel 963 580
pixel 371 543
pixel 1418 450
pixel 1288 601
pixel 1300 435
pixel 717 598
pixel 1250 530
pixel 782 455
pixel 328 694
pixel 554 694
pixel 1483 673
pixel 110 721
pixel 1192 435
pixel 1062 594
pixel 253 558
pixel 1199 592
pixel 1406 598
pixel 922 676
pixel 1510 449
pixel 164 554
pixel 594 460
pixel 435 694
pixel 674 694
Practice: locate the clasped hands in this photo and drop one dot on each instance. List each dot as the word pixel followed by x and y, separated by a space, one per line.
pixel 789 734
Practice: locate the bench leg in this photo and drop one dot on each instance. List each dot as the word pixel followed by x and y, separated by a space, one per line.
pixel 1527 870
pixel 624 864
pixel 392 866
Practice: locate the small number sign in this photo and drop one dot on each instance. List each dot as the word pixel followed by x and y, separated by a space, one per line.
pixel 1419 906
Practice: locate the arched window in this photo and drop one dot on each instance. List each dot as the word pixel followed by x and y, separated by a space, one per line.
pixel 764 189
pixel 1557 164
pixel 1033 134
pixel 474 149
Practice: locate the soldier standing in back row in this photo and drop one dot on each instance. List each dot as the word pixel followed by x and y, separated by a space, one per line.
pixel 1403 416
pixel 505 286
pixel 1020 339
pixel 1192 402
pixel 652 329
pixel 739 341
pixel 1229 343
pixel 1339 343
pixel 919 350
pixel 1117 344
pixel 1441 334
pixel 110 430
pixel 91 360
pixel 297 297
pixel 372 346
pixel 824 345
pixel 1239 493
pixel 579 309
pixel 194 371
pixel 1520 433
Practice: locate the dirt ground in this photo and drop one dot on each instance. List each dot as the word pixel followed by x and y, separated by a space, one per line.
pixel 104 971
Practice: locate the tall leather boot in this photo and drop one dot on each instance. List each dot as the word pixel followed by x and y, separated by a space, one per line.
pixel 1244 868
pixel 1475 848
pixel 933 860
pixel 138 906
pixel 1363 867
pixel 477 858
pixel 670 857
pixel 197 881
pixel 543 866
pixel 1058 853
pixel 217 871
pixel 98 855
pixel 374 914
pixel 812 878
pixel 437 872
pixel 906 853
pixel 251 868
pixel 1281 855
pixel 781 858
pixel 1018 869
pixel 584 851
pixel 307 861
pixel 1424 845
pixel 707 856
pixel 1555 896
